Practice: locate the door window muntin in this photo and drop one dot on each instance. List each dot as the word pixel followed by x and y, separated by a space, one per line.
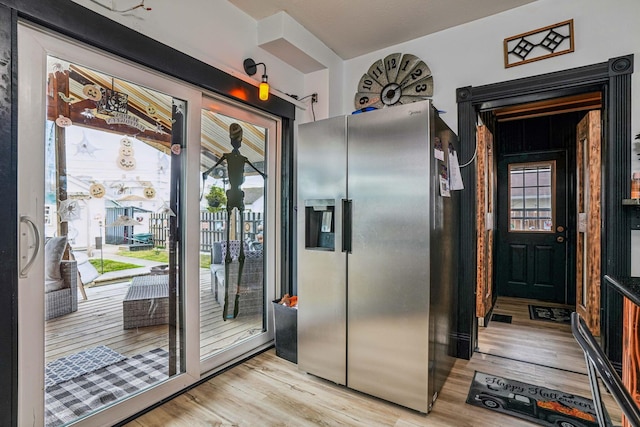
pixel 532 195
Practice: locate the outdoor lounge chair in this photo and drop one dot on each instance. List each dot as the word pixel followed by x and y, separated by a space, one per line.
pixel 252 286
pixel 61 278
pixel 87 273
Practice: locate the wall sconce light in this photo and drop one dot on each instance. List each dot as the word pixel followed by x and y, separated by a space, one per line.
pixel 250 67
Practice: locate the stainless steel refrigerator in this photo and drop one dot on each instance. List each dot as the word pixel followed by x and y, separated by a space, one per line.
pixel 377 253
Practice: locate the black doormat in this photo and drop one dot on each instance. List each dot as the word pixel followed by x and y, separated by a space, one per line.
pixel 503 318
pixel 541 405
pixel 550 314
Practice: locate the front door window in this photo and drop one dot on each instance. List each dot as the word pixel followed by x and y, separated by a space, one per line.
pixel 531 197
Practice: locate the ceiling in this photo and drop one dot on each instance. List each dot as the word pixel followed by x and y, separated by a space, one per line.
pixel 356 27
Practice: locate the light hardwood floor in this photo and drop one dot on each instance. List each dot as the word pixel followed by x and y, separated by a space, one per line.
pixel 535 341
pixel 270 391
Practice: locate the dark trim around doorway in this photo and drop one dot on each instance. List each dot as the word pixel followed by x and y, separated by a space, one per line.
pixel 613 78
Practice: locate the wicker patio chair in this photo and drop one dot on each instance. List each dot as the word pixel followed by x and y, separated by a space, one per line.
pixel 61 280
pixel 65 300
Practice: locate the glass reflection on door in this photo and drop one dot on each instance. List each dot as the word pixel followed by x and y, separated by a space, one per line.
pixel 236 232
pixel 111 259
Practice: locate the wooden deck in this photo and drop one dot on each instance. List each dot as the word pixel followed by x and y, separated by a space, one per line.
pixel 98 321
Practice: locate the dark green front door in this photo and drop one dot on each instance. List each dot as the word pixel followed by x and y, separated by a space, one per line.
pixel 532 233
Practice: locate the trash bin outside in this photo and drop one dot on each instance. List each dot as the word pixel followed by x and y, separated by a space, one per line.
pixel 286 323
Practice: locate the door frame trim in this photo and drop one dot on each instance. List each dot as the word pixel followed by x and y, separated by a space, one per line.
pixel 613 78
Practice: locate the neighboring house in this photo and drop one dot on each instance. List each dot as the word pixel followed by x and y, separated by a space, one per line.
pixel 91 159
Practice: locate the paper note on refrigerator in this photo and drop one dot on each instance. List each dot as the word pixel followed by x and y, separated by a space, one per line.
pixel 444 182
pixel 455 182
pixel 438 152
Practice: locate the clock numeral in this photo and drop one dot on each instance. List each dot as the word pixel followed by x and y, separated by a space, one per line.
pixel 404 67
pixel 422 87
pixel 367 99
pixel 368 84
pixel 391 64
pixel 416 71
pixel 377 73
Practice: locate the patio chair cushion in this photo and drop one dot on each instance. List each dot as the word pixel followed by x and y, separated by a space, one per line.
pixel 216 253
pixel 53 252
pixel 88 272
pixel 234 247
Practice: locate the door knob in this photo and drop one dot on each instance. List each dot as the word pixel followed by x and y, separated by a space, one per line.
pixel 560 239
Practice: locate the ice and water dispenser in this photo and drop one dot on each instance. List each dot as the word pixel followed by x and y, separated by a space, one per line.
pixel 319 224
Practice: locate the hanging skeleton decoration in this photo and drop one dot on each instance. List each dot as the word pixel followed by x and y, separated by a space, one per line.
pixel 235 199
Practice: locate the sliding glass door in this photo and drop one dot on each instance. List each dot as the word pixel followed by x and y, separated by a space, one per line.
pixel 132 190
pixel 102 272
pixel 237 216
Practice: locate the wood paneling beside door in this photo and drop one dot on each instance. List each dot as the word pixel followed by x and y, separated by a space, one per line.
pixel 589 189
pixel 484 221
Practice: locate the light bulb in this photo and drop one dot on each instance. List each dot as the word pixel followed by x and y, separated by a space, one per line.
pixel 264 89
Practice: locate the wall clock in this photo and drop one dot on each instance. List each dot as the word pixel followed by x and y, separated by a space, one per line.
pixel 396 79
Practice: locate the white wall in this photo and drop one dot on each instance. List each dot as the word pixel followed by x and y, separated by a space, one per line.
pixel 213 31
pixel 472 54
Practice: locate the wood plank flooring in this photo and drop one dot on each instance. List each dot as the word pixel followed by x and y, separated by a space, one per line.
pixel 98 321
pixel 534 341
pixel 270 391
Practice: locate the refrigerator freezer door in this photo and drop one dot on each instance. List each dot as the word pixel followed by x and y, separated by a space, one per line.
pixel 445 232
pixel 389 180
pixel 322 295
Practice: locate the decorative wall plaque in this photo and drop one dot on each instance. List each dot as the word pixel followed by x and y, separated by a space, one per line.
pixel 539 44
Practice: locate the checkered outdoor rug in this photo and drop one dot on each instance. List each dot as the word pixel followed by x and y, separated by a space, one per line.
pixel 70 400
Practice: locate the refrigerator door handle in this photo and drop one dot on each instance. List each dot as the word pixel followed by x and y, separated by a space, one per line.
pixel 346 225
